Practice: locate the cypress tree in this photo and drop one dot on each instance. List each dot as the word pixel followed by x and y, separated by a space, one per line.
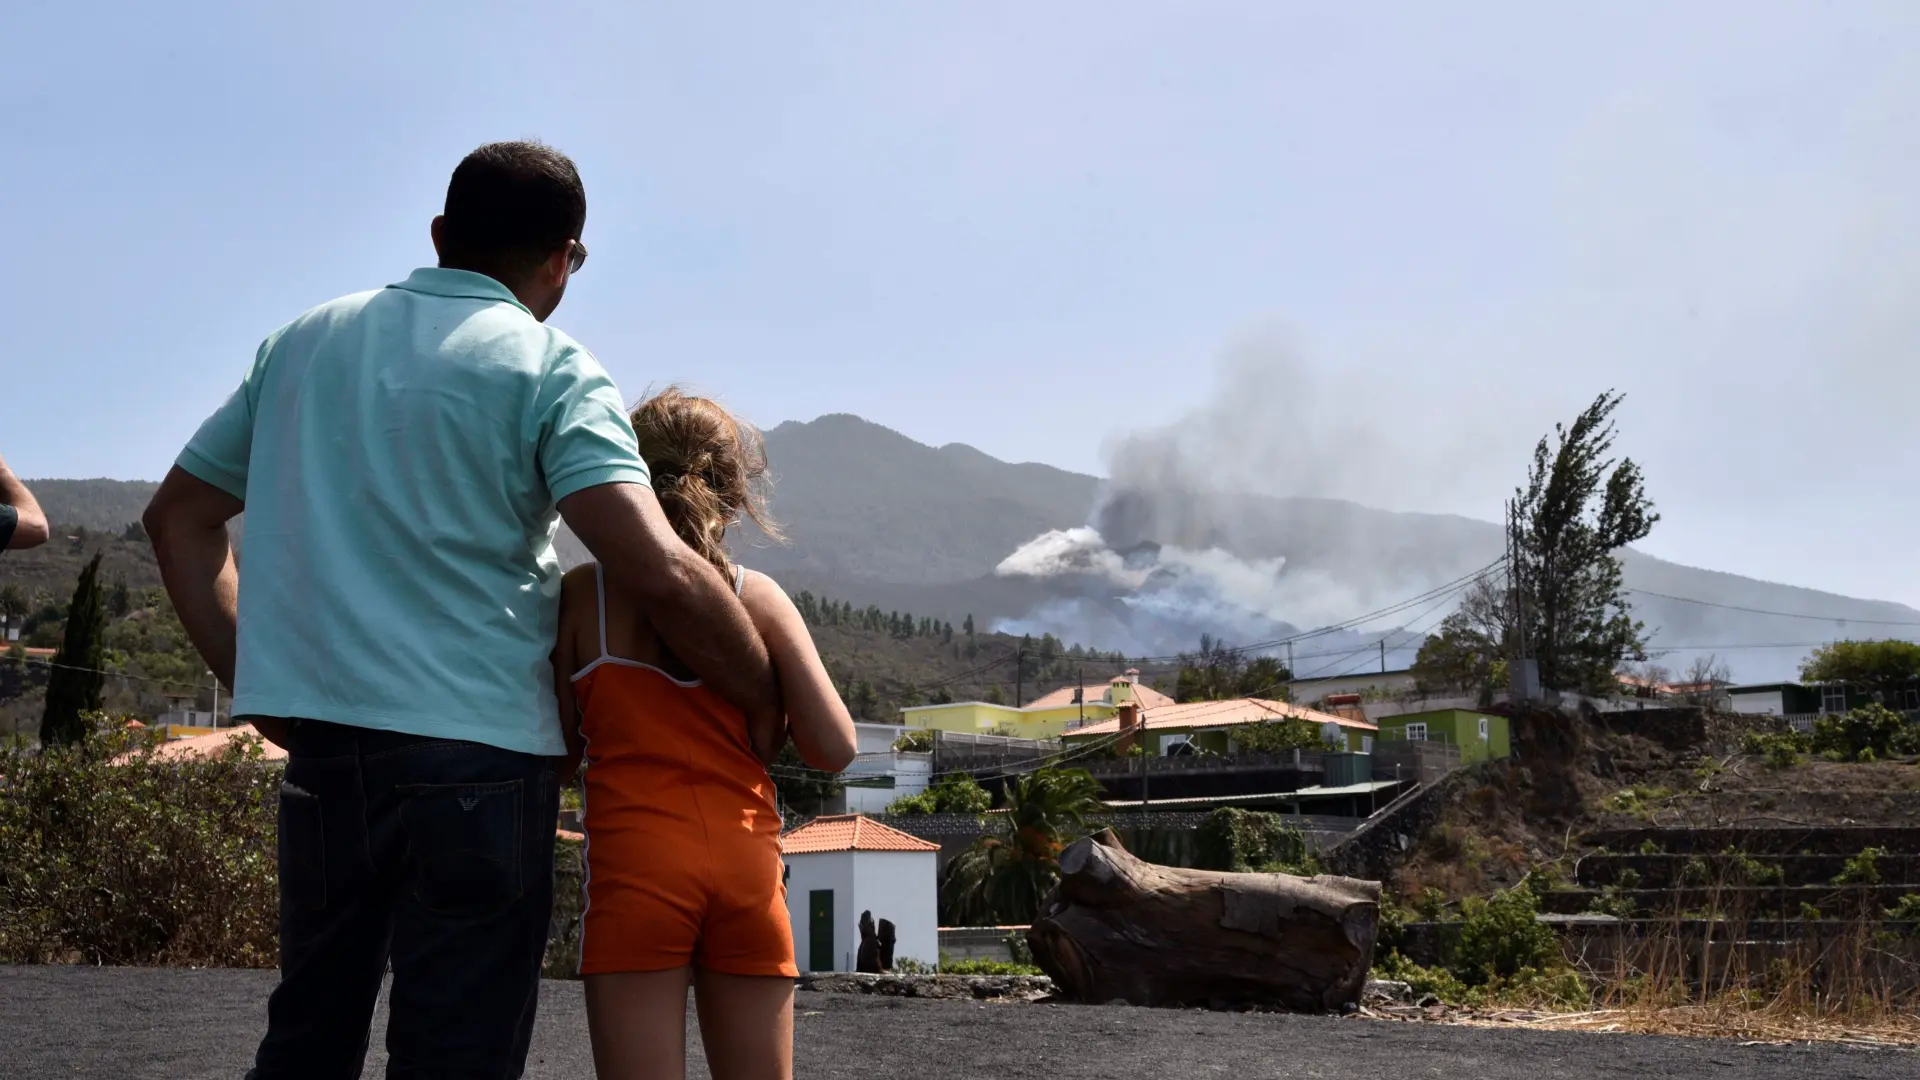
pixel 74 686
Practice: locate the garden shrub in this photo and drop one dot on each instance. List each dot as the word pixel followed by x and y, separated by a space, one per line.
pixel 111 855
pixel 956 794
pixel 1240 841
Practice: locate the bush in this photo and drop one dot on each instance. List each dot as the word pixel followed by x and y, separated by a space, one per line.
pixel 957 794
pixel 1862 869
pixel 1865 734
pixel 987 967
pixel 915 742
pixel 1907 910
pixel 109 855
pixel 1780 749
pixel 1501 939
pixel 1239 841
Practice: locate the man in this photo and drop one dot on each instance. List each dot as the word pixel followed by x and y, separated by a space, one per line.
pixel 400 455
pixel 22 525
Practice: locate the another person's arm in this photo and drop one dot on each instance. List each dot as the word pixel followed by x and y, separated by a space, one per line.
pixel 816 718
pixel 29 523
pixel 690 605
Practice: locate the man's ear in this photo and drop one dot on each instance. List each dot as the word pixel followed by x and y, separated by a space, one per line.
pixel 438 229
pixel 554 270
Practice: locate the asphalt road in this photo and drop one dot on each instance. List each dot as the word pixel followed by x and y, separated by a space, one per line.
pixel 186 1025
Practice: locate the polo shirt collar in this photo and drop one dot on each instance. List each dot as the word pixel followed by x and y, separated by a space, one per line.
pixel 439 281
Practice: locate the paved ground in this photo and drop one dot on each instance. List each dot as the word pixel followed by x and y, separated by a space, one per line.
pixel 186 1025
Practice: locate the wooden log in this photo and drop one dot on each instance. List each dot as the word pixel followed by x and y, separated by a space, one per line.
pixel 1119 928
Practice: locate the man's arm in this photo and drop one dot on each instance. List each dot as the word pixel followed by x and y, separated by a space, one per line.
pixel 30 526
pixel 187 522
pixel 691 607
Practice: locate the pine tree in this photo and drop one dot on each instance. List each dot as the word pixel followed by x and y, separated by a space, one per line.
pixel 74 686
pixel 968 625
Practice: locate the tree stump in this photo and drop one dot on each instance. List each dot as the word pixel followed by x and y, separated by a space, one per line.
pixel 1119 928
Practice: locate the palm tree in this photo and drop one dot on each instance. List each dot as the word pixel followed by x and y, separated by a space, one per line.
pixel 1001 879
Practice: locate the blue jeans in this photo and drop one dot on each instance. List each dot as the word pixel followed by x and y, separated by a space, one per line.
pixel 430 855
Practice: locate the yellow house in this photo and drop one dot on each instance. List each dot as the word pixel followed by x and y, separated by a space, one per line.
pixel 1047 717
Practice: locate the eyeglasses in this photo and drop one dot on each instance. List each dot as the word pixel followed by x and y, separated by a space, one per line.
pixel 576 258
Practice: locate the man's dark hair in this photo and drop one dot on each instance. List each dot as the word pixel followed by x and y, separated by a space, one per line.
pixel 509 205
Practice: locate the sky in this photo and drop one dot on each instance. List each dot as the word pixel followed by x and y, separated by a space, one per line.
pixel 1413 236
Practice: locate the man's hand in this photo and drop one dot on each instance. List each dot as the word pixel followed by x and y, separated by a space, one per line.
pixel 30 526
pixel 690 606
pixel 187 522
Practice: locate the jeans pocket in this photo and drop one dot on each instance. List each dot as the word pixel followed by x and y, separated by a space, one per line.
pixel 303 849
pixel 464 846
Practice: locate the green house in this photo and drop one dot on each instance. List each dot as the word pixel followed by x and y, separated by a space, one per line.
pixel 1480 736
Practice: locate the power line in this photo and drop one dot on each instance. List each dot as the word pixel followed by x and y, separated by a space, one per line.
pixel 1780 614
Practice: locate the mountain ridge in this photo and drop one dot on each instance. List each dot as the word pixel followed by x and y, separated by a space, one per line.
pixel 875 516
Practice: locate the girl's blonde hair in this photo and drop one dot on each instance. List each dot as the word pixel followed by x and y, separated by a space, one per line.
pixel 709 470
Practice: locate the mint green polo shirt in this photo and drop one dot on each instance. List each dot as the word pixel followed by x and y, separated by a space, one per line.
pixel 400 453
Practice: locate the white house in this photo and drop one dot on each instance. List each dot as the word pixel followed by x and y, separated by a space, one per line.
pixel 838 867
pixel 880 774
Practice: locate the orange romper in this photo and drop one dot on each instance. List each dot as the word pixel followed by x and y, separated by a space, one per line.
pixel 683 836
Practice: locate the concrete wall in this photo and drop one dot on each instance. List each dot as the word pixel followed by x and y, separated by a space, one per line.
pixel 902 886
pixel 826 870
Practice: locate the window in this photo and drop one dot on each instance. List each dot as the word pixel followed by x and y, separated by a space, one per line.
pixel 1483 729
pixel 1176 746
pixel 1416 732
pixel 1833 698
pixel 1366 744
pixel 1910 698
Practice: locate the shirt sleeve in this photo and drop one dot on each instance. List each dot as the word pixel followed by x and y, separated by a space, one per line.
pixel 584 437
pixel 219 452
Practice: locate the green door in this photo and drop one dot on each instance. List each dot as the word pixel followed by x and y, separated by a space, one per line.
pixel 820 930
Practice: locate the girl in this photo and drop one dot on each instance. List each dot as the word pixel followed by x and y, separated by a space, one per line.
pixel 684 877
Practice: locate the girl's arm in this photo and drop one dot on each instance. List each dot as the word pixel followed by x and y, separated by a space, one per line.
pixel 816 718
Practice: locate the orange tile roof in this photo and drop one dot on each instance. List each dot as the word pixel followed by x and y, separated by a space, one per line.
pixel 850 832
pixel 215 741
pixel 1063 697
pixel 1226 714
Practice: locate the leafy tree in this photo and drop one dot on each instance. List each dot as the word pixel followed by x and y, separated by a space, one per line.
pixel 75 683
pixel 1001 879
pixel 911 696
pixel 802 788
pixel 1220 673
pixel 119 599
pixel 942 696
pixel 968 625
pixel 13 604
pixel 996 695
pixel 864 700
pixel 1466 655
pixel 1578 508
pixel 1886 669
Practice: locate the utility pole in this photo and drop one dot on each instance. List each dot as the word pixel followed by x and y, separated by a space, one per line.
pixel 1383 656
pixel 1080 691
pixel 216 702
pixel 1289 671
pixel 1019 674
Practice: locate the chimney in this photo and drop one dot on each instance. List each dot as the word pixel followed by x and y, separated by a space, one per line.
pixel 1129 727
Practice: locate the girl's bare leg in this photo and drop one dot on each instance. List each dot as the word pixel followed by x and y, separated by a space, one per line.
pixel 638 1022
pixel 746 1024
